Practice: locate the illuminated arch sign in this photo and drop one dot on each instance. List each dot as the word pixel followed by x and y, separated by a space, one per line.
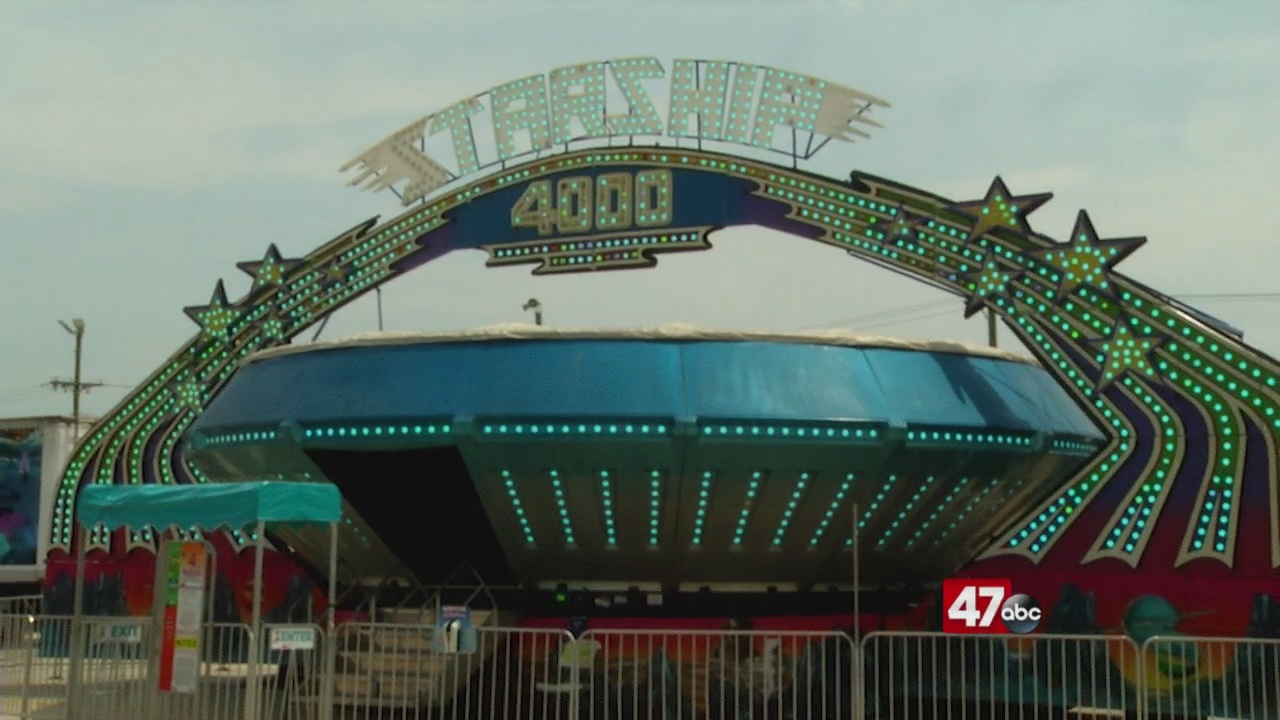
pixel 711 100
pixel 1159 376
pixel 623 205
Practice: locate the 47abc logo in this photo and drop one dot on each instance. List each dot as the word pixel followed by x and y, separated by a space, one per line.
pixel 974 607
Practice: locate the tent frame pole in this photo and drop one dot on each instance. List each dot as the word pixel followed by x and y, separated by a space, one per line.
pixel 77 641
pixel 158 601
pixel 330 634
pixel 253 694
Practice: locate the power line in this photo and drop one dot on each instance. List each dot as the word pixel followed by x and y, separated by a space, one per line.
pixel 44 387
pixel 890 314
pixel 900 321
pixel 75 386
pixel 22 393
pixel 866 321
pixel 21 396
pixel 1258 296
pixel 911 313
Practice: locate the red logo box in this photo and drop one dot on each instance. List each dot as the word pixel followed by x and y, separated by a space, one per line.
pixel 972 606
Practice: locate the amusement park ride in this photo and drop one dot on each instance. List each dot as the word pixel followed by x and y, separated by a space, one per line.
pixel 1127 478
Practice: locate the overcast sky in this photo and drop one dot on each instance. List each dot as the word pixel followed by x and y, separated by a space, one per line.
pixel 145 148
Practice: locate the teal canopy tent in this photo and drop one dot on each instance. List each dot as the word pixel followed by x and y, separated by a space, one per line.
pixel 236 506
pixel 219 505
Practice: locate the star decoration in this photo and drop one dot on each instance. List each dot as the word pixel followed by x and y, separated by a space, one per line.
pixel 272 328
pixel 1125 350
pixel 902 227
pixel 1000 209
pixel 216 318
pixel 903 223
pixel 988 282
pixel 1085 260
pixel 336 273
pixel 270 271
pixel 189 394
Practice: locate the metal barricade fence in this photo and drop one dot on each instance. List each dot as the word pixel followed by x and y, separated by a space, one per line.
pixel 713 674
pixel 396 672
pixel 932 676
pixel 292 673
pixel 221 679
pixel 1204 677
pixel 110 667
pixel 104 666
pixel 21 605
pixel 33 666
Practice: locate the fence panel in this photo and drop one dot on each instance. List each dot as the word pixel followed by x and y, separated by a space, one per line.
pixel 220 682
pixel 21 605
pixel 1202 677
pixel 291 672
pixel 110 676
pixel 114 671
pixel 931 676
pixel 33 666
pixel 713 674
pixel 396 672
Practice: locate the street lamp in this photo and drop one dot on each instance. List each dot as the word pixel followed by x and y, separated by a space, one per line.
pixel 536 307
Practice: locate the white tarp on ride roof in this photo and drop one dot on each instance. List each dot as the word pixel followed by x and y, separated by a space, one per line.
pixel 680 332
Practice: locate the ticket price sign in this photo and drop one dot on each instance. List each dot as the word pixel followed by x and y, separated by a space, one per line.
pixel 184 590
pixel 986 607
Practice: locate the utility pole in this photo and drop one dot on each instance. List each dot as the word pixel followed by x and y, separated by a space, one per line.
pixel 76 386
pixel 991 328
pixel 536 307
